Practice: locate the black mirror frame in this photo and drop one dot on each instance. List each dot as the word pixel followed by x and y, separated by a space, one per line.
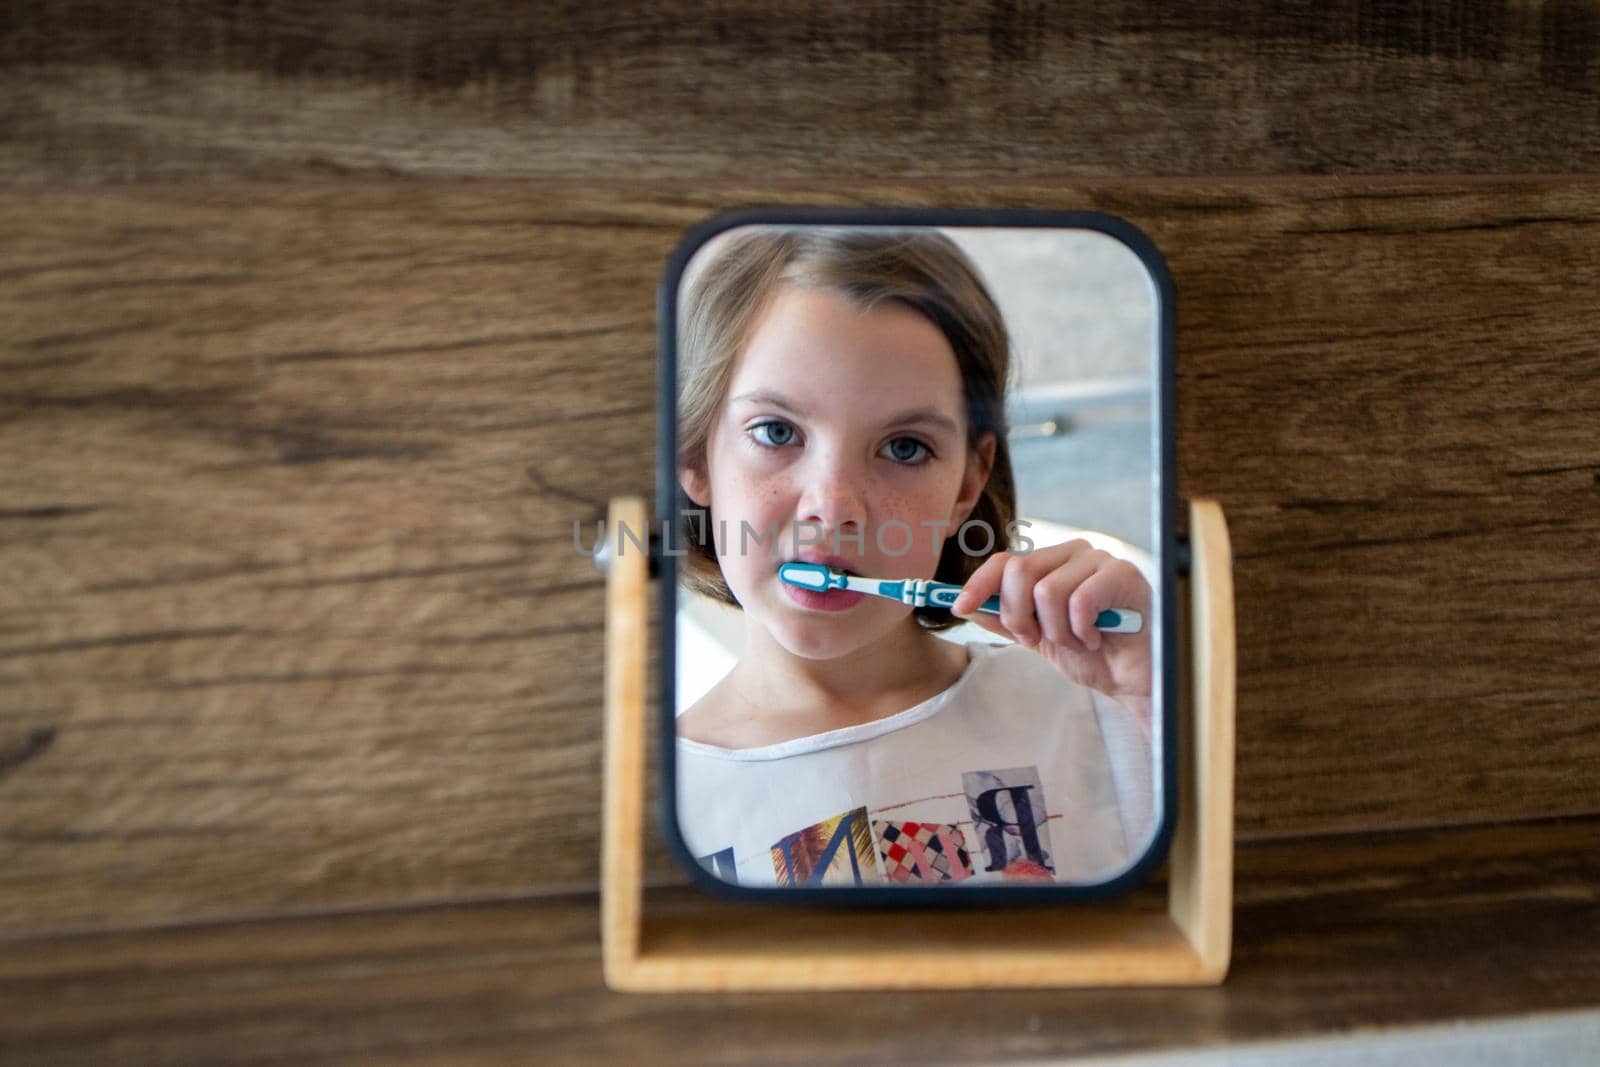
pixel 665 568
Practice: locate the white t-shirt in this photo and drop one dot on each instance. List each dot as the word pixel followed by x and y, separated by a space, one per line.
pixel 1013 773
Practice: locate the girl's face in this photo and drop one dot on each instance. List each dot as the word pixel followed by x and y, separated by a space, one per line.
pixel 847 429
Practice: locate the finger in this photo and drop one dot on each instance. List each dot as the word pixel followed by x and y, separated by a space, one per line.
pixel 989 578
pixel 1020 580
pixel 1016 600
pixel 1053 596
pixel 992 624
pixel 1110 583
pixel 983 584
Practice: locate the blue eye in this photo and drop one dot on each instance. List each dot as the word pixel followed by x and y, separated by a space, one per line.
pixel 906 450
pixel 773 434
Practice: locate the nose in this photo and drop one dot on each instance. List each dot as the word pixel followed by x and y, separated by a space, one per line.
pixel 834 495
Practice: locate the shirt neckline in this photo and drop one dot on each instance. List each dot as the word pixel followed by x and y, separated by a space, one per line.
pixel 847 735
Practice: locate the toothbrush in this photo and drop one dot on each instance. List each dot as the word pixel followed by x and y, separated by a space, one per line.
pixel 926 593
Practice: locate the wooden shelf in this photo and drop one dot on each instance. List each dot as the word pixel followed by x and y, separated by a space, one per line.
pixel 1332 934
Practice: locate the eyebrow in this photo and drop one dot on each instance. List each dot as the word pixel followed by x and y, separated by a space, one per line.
pixel 924 416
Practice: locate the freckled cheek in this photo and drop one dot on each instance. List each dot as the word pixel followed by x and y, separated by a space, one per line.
pixel 913 509
pixel 755 496
pixel 923 503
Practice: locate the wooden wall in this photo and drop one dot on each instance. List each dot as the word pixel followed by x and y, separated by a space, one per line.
pixel 294 425
pixel 738 90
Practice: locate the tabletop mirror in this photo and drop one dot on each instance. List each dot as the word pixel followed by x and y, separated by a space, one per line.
pixel 918 566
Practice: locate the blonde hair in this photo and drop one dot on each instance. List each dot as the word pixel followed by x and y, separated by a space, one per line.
pixel 922 269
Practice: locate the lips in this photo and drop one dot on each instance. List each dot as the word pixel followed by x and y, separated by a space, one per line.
pixel 833 599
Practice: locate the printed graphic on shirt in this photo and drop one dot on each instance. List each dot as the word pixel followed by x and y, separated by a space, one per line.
pixel 836 851
pixel 721 865
pixel 1008 818
pixel 922 852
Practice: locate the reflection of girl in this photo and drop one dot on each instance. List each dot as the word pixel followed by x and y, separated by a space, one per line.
pixel 842 389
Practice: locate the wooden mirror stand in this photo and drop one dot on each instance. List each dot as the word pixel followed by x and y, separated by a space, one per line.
pixel 696 942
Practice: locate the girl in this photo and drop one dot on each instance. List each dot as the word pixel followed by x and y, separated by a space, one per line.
pixel 839 390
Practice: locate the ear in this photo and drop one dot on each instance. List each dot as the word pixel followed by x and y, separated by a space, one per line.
pixel 696 485
pixel 980 461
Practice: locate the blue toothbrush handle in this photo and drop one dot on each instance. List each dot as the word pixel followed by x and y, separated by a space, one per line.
pixel 1112 620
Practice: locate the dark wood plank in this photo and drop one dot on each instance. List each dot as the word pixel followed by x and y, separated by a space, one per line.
pixel 292 619
pixel 739 89
pixel 1332 935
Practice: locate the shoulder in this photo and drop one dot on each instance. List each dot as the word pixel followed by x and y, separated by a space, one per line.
pixel 707 719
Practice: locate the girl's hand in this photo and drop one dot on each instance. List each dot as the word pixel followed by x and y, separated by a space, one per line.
pixel 1049 599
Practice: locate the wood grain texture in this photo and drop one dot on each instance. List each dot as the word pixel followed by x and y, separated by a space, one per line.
pixel 291 618
pixel 1199 862
pixel 97 91
pixel 628 786
pixel 1333 935
pixel 288 552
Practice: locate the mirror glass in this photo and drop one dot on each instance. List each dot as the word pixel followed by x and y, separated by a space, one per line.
pixel 916 554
